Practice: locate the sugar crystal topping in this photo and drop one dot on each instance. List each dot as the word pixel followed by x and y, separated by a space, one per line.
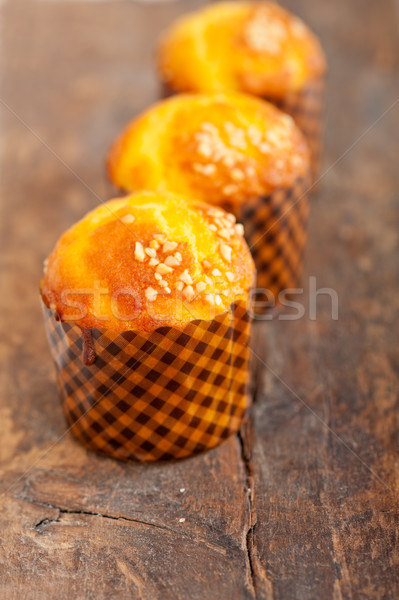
pixel 265 33
pixel 224 226
pixel 226 154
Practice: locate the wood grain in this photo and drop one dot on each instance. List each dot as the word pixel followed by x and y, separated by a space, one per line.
pixel 303 503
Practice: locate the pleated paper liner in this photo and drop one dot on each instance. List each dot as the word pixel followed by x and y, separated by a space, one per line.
pixel 276 232
pixel 306 108
pixel 154 396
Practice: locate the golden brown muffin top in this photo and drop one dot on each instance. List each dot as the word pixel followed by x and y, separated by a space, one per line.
pixel 146 261
pixel 254 47
pixel 216 148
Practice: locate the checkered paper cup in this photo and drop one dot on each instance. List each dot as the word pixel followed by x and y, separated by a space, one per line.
pixel 306 107
pixel 275 228
pixel 154 396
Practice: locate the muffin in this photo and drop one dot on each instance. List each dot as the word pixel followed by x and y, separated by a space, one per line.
pixel 254 47
pixel 235 151
pixel 146 308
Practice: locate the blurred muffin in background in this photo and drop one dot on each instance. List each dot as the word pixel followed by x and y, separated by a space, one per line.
pixel 254 47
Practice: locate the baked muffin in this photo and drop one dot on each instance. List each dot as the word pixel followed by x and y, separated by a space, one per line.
pixel 254 47
pixel 146 307
pixel 234 151
pixel 217 148
pixel 151 260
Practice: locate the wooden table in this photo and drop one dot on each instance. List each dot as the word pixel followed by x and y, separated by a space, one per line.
pixel 303 504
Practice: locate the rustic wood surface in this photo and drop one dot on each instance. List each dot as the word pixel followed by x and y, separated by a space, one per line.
pixel 304 503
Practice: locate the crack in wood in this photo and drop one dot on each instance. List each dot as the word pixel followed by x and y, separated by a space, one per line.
pixel 261 584
pixel 250 547
pixel 246 460
pixel 259 581
pixel 43 523
pixel 244 440
pixel 71 511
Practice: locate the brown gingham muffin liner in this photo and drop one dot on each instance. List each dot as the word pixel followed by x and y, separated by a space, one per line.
pixel 306 107
pixel 275 228
pixel 162 395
